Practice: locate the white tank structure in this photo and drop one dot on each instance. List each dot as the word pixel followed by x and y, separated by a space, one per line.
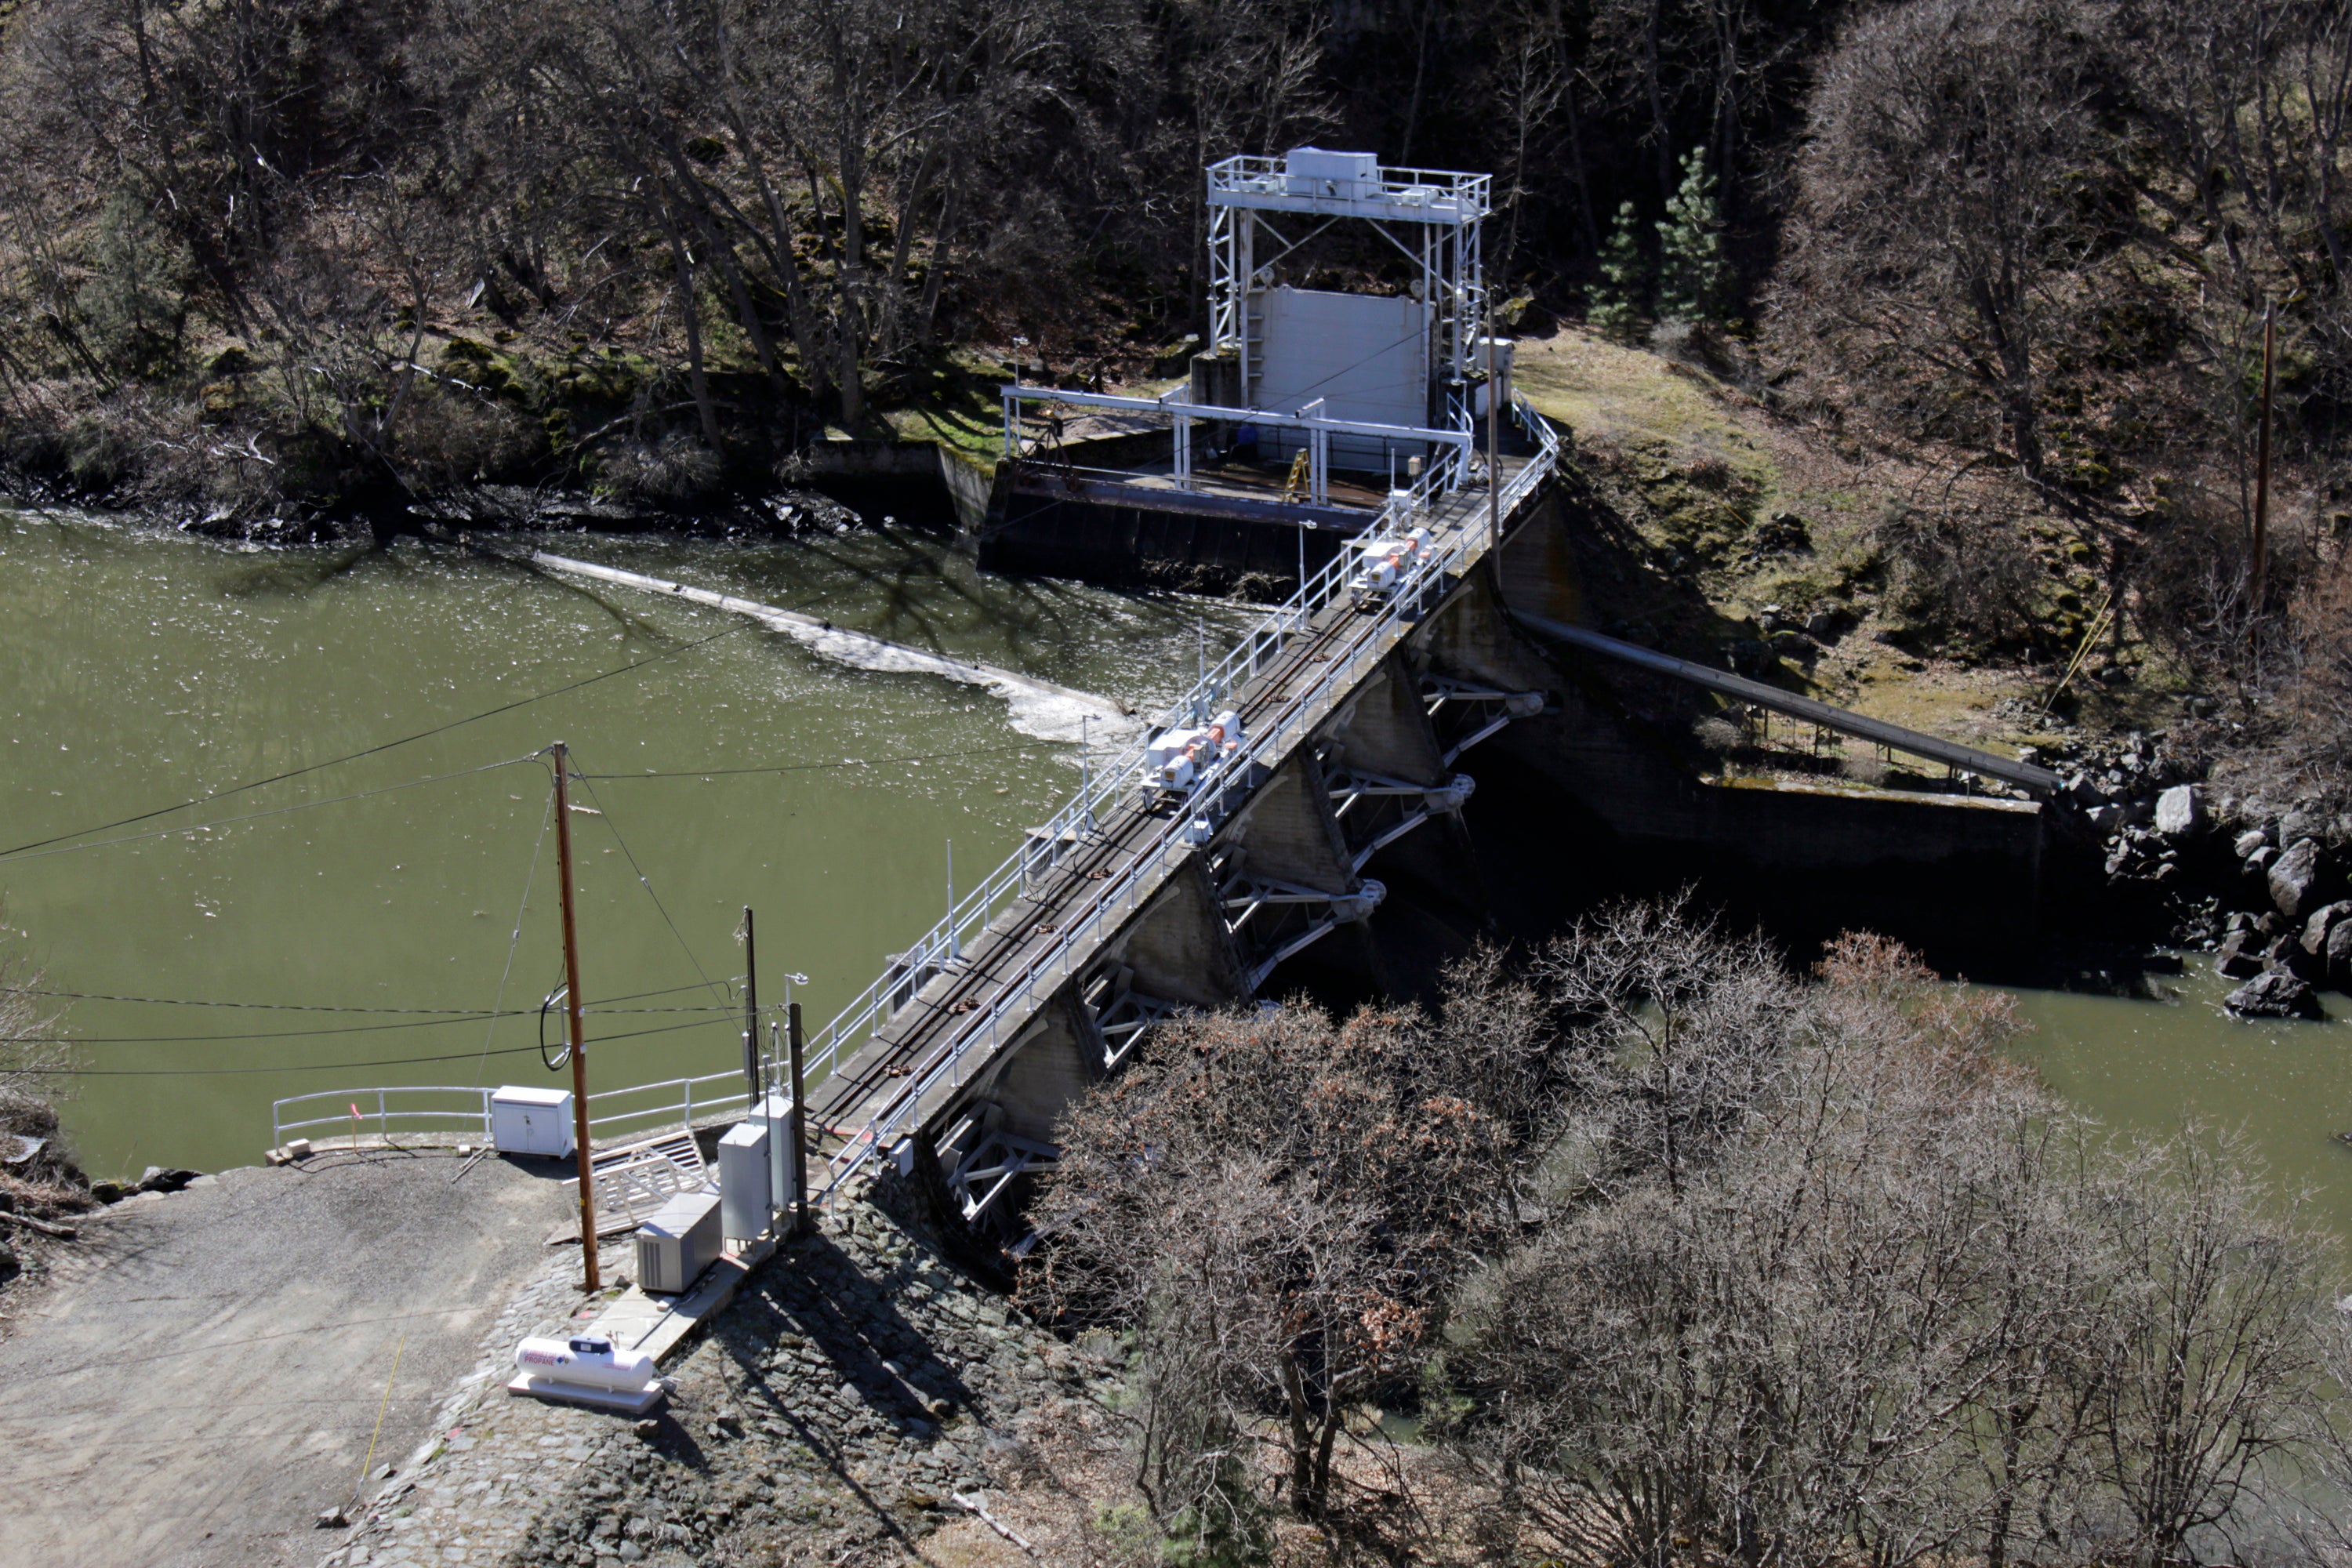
pixel 1386 561
pixel 1176 761
pixel 586 1370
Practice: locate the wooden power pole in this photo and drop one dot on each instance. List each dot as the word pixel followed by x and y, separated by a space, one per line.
pixel 571 1010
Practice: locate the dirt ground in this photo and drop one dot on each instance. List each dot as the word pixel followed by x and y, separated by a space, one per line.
pixel 200 1375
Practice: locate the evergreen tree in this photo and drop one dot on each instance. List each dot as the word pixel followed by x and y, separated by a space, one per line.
pixel 1615 302
pixel 1694 279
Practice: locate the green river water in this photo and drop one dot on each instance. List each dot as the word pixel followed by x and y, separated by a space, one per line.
pixel 140 668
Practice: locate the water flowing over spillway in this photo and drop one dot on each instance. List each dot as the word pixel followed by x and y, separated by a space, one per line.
pixel 1040 708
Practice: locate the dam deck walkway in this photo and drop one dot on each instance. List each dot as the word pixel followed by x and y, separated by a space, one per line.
pixel 897 1059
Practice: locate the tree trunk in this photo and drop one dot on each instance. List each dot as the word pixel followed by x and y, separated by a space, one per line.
pixel 696 378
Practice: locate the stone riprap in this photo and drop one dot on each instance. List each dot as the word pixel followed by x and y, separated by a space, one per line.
pixel 854 1386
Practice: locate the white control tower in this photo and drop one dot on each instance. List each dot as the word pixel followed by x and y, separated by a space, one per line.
pixel 1418 359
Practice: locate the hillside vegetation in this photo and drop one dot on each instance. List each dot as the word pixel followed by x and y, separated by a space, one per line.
pixel 279 265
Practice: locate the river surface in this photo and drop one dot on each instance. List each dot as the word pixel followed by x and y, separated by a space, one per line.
pixel 140 669
pixel 2152 1064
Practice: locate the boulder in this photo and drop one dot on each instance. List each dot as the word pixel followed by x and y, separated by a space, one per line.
pixel 2323 920
pixel 2246 843
pixel 2241 956
pixel 2179 811
pixel 2339 954
pixel 2285 953
pixel 2274 994
pixel 2293 876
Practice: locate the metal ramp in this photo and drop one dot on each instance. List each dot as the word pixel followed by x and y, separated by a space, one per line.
pixel 633 1180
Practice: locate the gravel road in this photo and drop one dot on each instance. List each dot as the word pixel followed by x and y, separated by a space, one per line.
pixel 201 1376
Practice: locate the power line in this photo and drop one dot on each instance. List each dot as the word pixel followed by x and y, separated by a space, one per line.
pixel 34 852
pixel 431 1022
pixel 514 943
pixel 322 1008
pixel 336 1067
pixel 371 751
pixel 630 856
pixel 809 767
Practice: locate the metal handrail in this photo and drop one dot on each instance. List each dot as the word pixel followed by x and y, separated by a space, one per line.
pixel 686 1105
pixel 383 1116
pixel 1215 787
pixel 679 1111
pixel 1226 174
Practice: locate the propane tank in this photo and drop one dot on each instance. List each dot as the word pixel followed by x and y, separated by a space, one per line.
pixel 588 1359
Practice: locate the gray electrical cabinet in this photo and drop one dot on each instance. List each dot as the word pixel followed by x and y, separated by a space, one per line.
pixel 775 1114
pixel 744 1180
pixel 678 1243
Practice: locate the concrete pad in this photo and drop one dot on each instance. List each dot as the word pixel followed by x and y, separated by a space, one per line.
pixel 201 1378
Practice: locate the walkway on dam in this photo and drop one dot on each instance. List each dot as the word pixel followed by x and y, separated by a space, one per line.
pixel 949 1007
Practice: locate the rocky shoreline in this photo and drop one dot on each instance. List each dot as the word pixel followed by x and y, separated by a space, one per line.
pixel 857 1389
pixel 2263 887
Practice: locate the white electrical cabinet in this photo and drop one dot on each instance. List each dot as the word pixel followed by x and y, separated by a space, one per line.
pixel 744 1180
pixel 530 1120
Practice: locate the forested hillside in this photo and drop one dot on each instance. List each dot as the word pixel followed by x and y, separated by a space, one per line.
pixel 266 262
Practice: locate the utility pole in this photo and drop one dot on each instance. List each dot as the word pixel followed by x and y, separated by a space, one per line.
pixel 2262 476
pixel 572 1009
pixel 1494 437
pixel 751 1016
pixel 800 1124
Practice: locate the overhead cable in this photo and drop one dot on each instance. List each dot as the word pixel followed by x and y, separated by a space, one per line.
pixel 335 1066
pixel 371 751
pixel 34 852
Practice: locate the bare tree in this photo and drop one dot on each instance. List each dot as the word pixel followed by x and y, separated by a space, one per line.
pixel 1905 1308
pixel 1942 218
pixel 1678 1031
pixel 2213 1357
pixel 1278 1207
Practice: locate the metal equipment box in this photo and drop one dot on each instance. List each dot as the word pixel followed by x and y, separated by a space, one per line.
pixel 677 1243
pixel 775 1114
pixel 1319 171
pixel 530 1120
pixel 745 1183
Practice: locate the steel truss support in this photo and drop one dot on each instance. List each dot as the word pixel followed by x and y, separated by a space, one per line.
pixel 1491 709
pixel 1243 897
pixel 1122 1014
pixel 1349 788
pixel 989 1162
